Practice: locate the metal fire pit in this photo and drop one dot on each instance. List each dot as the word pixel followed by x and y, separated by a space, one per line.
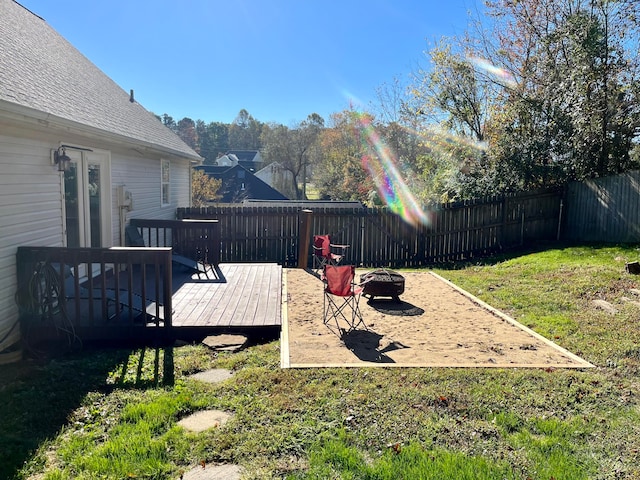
pixel 383 283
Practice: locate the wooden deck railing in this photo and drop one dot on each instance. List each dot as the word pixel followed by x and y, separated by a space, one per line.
pixel 198 240
pixel 94 293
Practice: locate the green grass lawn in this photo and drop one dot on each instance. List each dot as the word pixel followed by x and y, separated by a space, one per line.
pixel 113 413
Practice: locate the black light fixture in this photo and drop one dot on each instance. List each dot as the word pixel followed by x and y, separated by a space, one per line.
pixel 61 159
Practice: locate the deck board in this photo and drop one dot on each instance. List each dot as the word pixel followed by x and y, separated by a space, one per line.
pixel 241 313
pixel 231 297
pixel 241 290
pixel 273 302
pixel 248 295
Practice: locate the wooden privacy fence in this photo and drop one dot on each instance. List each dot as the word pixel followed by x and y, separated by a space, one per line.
pixel 379 237
pixel 605 209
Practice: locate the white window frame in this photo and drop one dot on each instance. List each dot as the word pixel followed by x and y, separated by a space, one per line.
pixel 165 182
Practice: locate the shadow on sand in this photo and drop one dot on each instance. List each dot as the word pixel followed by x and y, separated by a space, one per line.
pixel 391 307
pixel 365 344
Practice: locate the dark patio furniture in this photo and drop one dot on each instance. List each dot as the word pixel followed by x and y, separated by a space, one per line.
pixel 382 283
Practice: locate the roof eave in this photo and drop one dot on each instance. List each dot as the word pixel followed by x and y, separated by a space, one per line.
pixel 43 120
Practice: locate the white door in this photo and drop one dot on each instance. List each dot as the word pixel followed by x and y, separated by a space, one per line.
pixel 87 199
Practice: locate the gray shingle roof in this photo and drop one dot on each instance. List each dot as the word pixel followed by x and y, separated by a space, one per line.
pixel 40 70
pixel 245 155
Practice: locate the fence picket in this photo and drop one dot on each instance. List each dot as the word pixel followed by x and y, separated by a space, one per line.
pixel 378 237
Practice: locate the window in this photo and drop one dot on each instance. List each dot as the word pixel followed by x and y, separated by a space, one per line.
pixel 166 182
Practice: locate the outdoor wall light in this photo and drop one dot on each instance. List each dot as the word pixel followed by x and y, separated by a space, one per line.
pixel 61 159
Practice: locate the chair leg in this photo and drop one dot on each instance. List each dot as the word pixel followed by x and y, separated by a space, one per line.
pixel 337 311
pixel 318 263
pixel 356 318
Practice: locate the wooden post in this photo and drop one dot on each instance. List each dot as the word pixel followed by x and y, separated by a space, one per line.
pixel 304 238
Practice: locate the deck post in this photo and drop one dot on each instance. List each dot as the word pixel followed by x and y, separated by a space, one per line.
pixel 305 238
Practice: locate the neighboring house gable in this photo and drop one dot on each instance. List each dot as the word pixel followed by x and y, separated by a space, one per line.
pixel 239 184
pixel 249 159
pixel 124 161
pixel 278 178
pixel 227 160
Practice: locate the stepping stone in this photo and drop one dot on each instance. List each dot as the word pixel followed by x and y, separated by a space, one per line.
pixel 204 420
pixel 633 268
pixel 229 343
pixel 631 301
pixel 214 375
pixel 606 306
pixel 213 472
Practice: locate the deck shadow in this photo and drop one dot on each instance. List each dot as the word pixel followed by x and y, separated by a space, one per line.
pixel 183 274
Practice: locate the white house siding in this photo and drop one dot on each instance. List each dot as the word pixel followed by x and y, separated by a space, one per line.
pixel 180 177
pixel 31 208
pixel 277 177
pixel 141 177
pixel 266 174
pixel 30 214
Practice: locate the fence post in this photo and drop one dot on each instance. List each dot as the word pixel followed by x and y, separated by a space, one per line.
pixel 304 238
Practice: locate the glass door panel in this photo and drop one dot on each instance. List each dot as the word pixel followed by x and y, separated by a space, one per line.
pixel 72 205
pixel 95 205
pixel 87 203
pixel 87 199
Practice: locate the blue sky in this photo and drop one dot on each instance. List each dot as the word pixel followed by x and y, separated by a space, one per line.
pixel 281 60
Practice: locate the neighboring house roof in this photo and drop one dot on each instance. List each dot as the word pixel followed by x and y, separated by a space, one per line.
pixel 227 160
pixel 215 171
pixel 311 204
pixel 43 76
pixel 239 184
pixel 245 155
pixel 230 159
pixel 249 159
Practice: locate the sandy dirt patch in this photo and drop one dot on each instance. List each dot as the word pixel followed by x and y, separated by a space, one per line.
pixel 436 324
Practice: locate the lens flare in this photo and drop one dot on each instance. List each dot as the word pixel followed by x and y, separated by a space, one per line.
pixel 380 162
pixel 499 73
pixel 437 137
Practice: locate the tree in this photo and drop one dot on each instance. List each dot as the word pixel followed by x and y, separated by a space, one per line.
pixel 452 94
pixel 293 148
pixel 213 140
pixel 552 91
pixel 573 114
pixel 309 132
pixel 169 122
pixel 186 130
pixel 244 132
pixel 204 189
pixel 420 153
pixel 397 123
pixel 340 175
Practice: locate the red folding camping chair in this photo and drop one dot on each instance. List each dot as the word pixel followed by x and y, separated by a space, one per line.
pixel 325 252
pixel 342 296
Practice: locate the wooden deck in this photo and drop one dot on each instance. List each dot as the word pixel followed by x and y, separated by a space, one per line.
pixel 240 298
pixel 155 297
